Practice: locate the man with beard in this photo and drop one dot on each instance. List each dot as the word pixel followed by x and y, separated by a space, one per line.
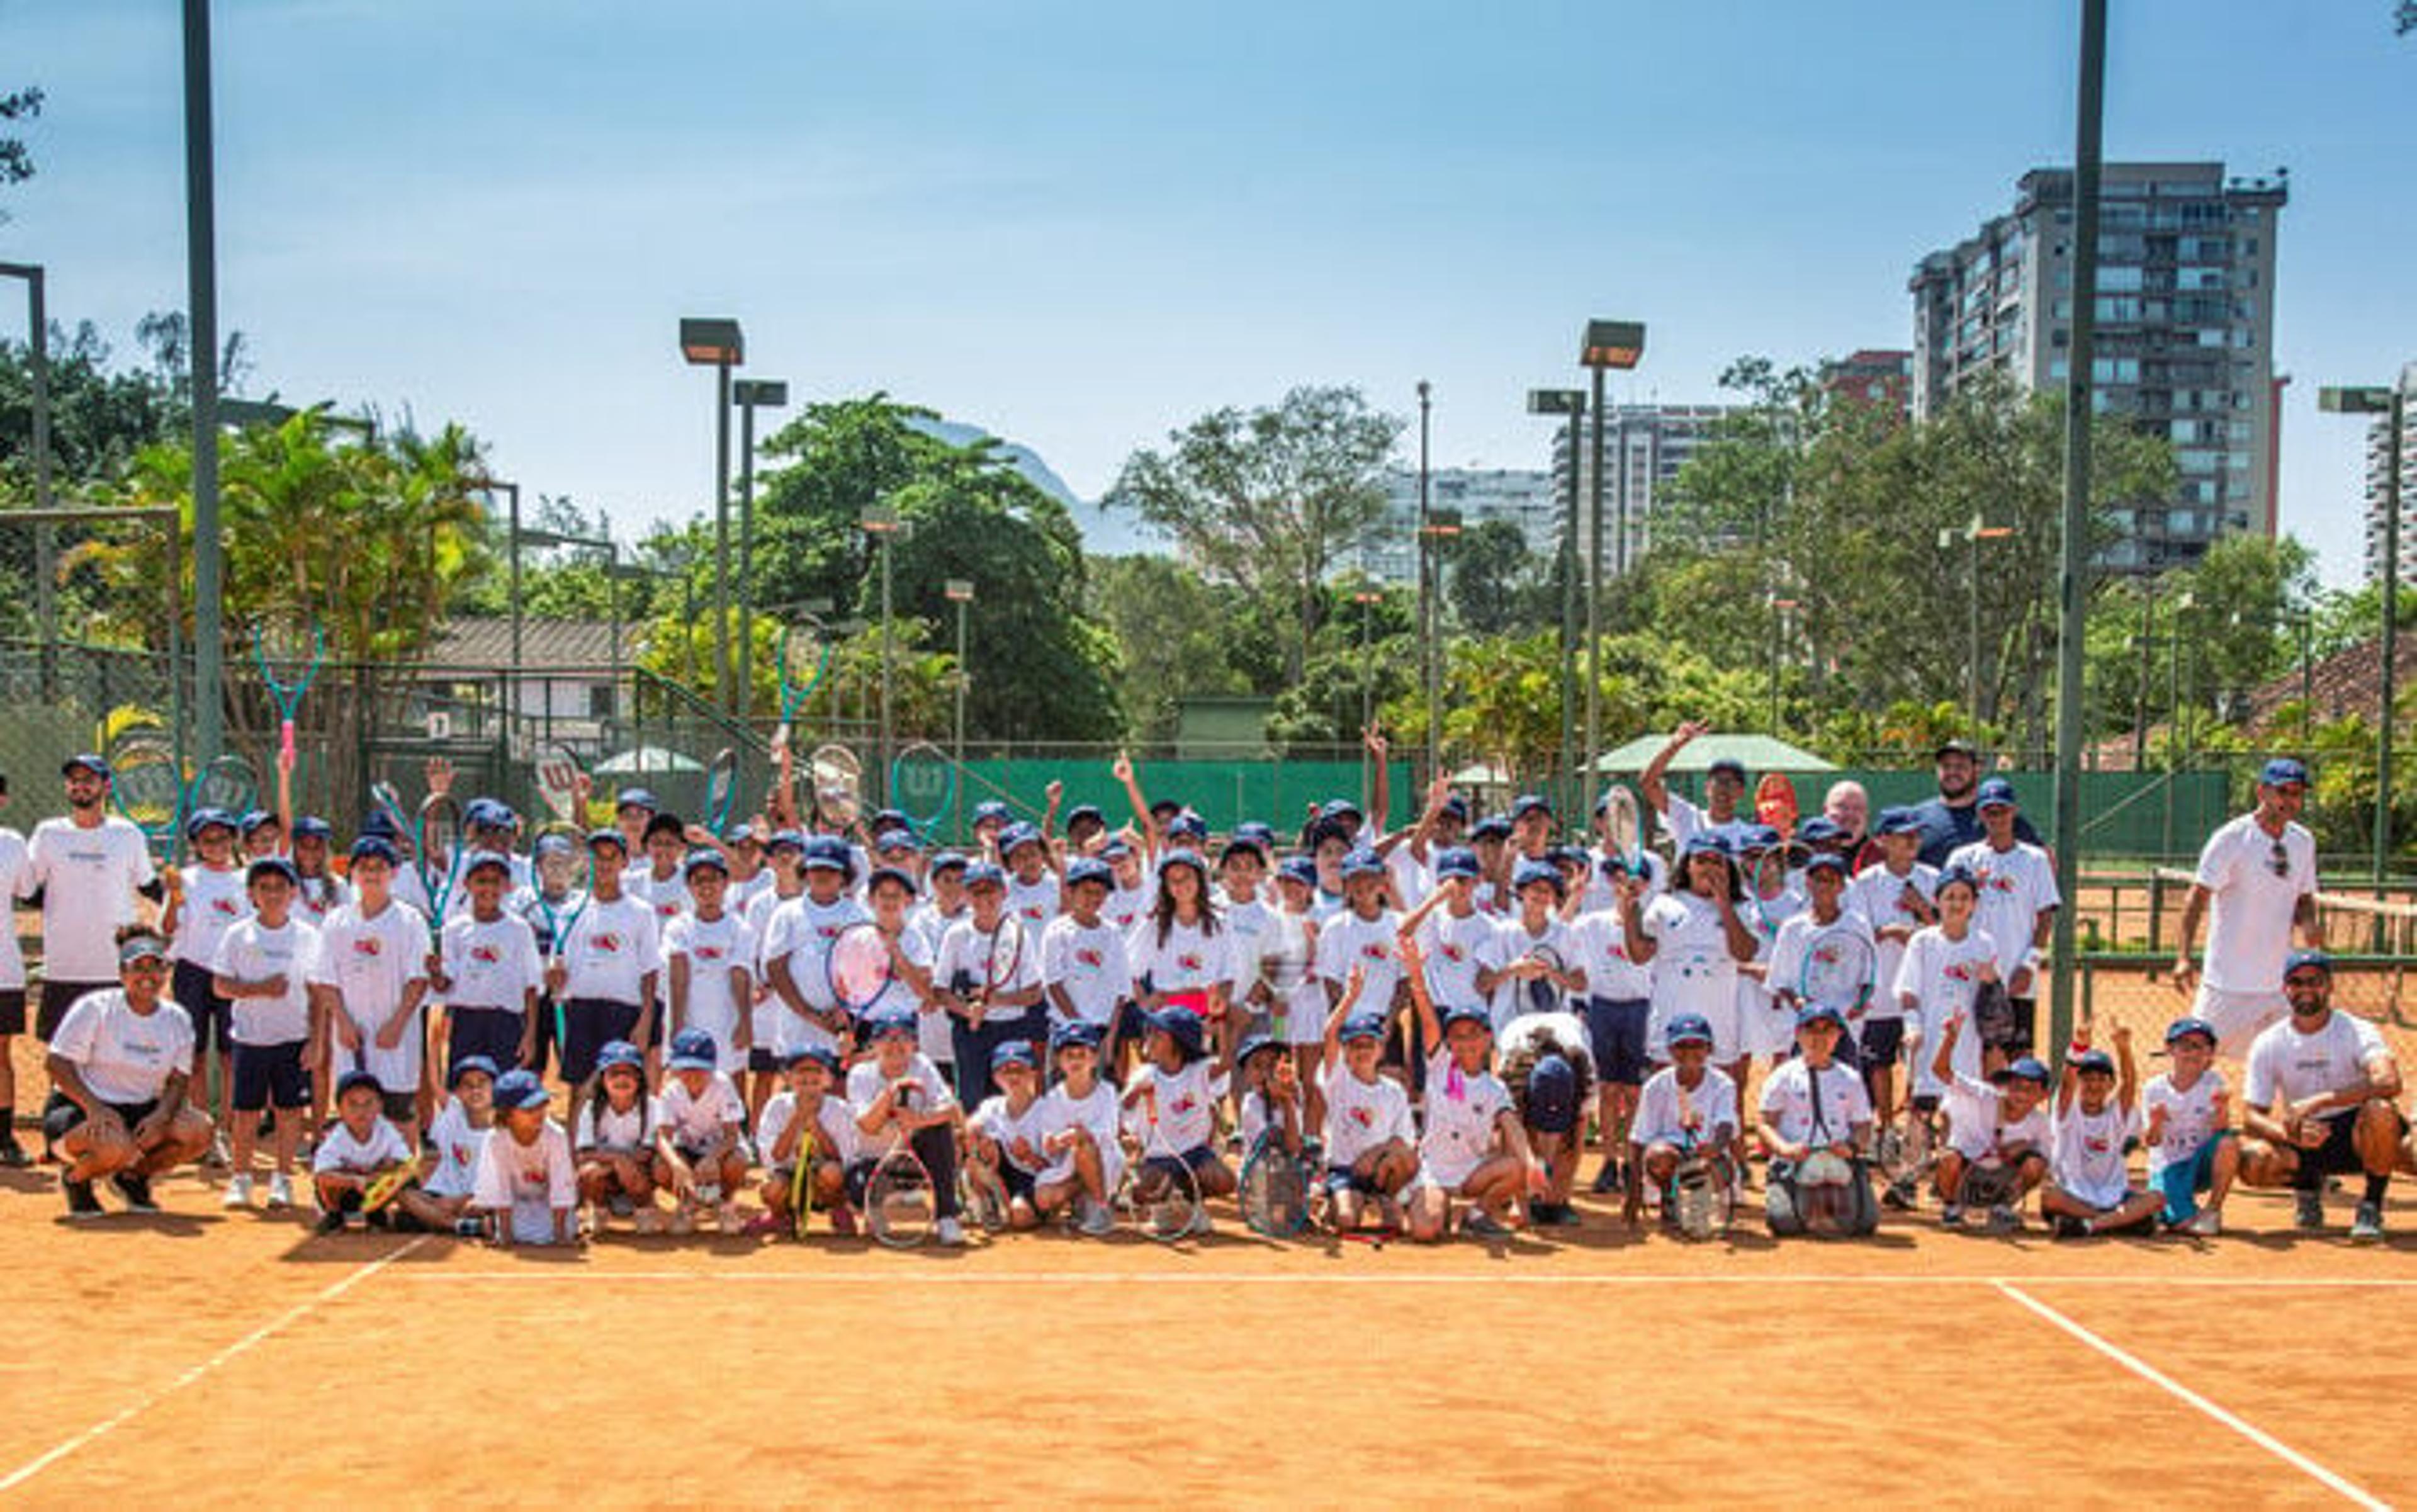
pixel 1952 820
pixel 85 869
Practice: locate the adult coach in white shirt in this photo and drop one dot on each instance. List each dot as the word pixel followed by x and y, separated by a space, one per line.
pixel 2259 874
pixel 2320 1101
pixel 87 868
pixel 118 1069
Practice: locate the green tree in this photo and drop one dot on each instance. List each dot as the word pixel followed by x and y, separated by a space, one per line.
pixel 1491 579
pixel 1169 626
pixel 1270 499
pixel 16 160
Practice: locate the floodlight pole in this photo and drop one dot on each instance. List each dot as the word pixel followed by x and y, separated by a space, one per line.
pixel 1430 591
pixel 766 393
pixel 200 295
pixel 2088 133
pixel 46 540
pixel 2397 418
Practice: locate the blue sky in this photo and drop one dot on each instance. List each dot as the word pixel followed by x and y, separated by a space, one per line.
pixel 1081 225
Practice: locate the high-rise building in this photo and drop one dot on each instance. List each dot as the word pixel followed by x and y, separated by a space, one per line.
pixel 1644 446
pixel 2185 327
pixel 1873 376
pixel 1526 499
pixel 2379 494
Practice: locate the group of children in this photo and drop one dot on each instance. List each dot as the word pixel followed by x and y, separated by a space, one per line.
pixel 1425 1021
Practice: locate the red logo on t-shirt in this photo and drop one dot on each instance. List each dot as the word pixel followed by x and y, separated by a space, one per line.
pixel 605 944
pixel 1375 950
pixel 369 945
pixel 708 952
pixel 486 954
pixel 224 908
pixel 1365 1118
pixel 1189 961
pixel 1087 957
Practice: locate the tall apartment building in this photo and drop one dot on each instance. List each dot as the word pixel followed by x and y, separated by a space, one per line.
pixel 2185 331
pixel 2379 452
pixel 1525 499
pixel 1644 446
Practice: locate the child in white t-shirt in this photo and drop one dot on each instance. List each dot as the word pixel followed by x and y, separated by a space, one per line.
pixel 1171 1107
pixel 1078 1133
pixel 456 1136
pixel 1370 1140
pixel 2096 1125
pixel 1473 1147
pixel 613 1138
pixel 525 1187
pixel 1997 1134
pixel 1688 1105
pixel 700 1134
pixel 2192 1147
pixel 804 1120
pixel 355 1151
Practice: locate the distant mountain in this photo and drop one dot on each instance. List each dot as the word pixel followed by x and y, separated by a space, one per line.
pixel 1105 532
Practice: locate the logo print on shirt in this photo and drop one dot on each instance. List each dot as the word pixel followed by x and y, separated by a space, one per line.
pixel 486 954
pixel 1087 957
pixel 369 945
pixel 708 952
pixel 1375 951
pixel 605 944
pixel 224 908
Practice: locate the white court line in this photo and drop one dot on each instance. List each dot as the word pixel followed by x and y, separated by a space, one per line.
pixel 2155 1376
pixel 257 1337
pixel 905 1275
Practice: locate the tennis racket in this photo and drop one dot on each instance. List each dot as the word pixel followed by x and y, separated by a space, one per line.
pixel 1774 804
pixel 385 799
pixel 838 784
pixel 228 783
pixel 721 790
pixel 1840 966
pixel 857 968
pixel 563 882
pixel 900 1202
pixel 1905 1154
pixel 1284 968
pixel 438 840
pixel 288 647
pixel 1274 1189
pixel 801 1179
pixel 1764 884
pixel 805 656
pixel 147 789
pixel 1993 1015
pixel 1166 1194
pixel 1825 1193
pixel 1700 1200
pixel 1988 1183
pixel 923 784
pixel 999 964
pixel 558 781
pixel 1545 995
pixel 389 1184
pixel 1624 828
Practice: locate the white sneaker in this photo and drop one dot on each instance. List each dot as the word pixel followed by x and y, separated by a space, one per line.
pixel 1097 1220
pixel 648 1219
pixel 1201 1224
pixel 2207 1223
pixel 950 1233
pixel 683 1221
pixel 725 1217
pixel 280 1191
pixel 238 1194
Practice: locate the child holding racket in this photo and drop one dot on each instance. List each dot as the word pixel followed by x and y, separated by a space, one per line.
pixel 928 921
pixel 1531 966
pixel 370 983
pixel 2192 1147
pixel 804 1115
pixel 1004 1133
pixel 1078 1134
pixel 1171 1104
pixel 525 1185
pixel 355 1151
pixel 1688 1105
pixel 613 1139
pixel 457 1137
pixel 797 945
pixel 2097 1121
pixel 1370 1142
pixel 701 1151
pixel 988 978
pixel 606 968
pixel 900 1098
pixel 488 971
pixel 1472 1149
pixel 709 954
pixel 1996 1130
pixel 1830 951
pixel 783 856
pixel 1815 1119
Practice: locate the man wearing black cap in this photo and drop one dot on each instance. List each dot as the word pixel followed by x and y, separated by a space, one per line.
pixel 86 869
pixel 1952 820
pixel 2258 871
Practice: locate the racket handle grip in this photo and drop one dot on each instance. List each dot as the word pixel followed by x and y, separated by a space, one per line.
pixel 286 739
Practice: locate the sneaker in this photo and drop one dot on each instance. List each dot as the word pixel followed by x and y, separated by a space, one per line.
pixel 683 1221
pixel 136 1188
pixel 2068 1227
pixel 81 1201
pixel 331 1222
pixel 843 1222
pixel 950 1233
pixel 468 1228
pixel 1606 1181
pixel 2206 1223
pixel 218 1159
pixel 280 1191
pixel 13 1154
pixel 1096 1221
pixel 237 1193
pixel 2368 1224
pixel 1897 1198
pixel 2005 1220
pixel 726 1218
pixel 1952 1215
pixel 1482 1225
pixel 2308 1213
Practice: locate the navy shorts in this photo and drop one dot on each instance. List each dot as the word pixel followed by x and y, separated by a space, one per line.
pixel 1616 1032
pixel 190 986
pixel 589 1024
pixel 1553 1096
pixel 63 1115
pixel 12 1011
pixel 1017 1179
pixel 493 1032
pixel 2339 1156
pixel 761 1061
pixel 269 1075
pixel 1880 1043
pixel 1193 1160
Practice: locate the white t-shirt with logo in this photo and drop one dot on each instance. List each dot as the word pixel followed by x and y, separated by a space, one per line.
pixel 527 1183
pixel 1188 960
pixel 695 1119
pixel 2249 925
pixel 1461 1110
pixel 1601 942
pixel 124 1057
pixel 88 879
pixel 215 901
pixel 253 952
pixel 1977 1126
pixel 1935 982
pixel 835 1136
pixel 340 1150
pixel 2016 886
pixel 492 964
pixel 457 1147
pixel 371 962
pixel 2090 1158
pixel 714 949
pixel 1087 964
pixel 1788 1105
pixel 1664 1108
pixel 1878 895
pixel 2285 1063
pixel 1361 1115
pixel 609 949
pixel 1691 968
pixel 2193 1115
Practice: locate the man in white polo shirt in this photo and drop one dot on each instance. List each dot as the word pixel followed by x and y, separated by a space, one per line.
pixel 2259 873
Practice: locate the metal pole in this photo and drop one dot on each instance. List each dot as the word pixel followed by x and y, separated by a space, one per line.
pixel 963 677
pixel 744 701
pixel 1594 604
pixel 513 490
pixel 2174 726
pixel 2088 131
pixel 2388 677
pixel 46 536
pixel 722 534
pixel 1778 628
pixel 1430 588
pixel 2307 678
pixel 613 613
pixel 1972 668
pixel 2140 703
pixel 882 784
pixel 1570 608
pixel 200 294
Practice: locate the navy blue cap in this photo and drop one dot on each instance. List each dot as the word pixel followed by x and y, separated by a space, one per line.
pixel 1527 803
pixel 826 852
pixel 607 836
pixel 1257 832
pixel 1457 807
pixel 369 847
pixel 890 1021
pixel 2093 1059
pixel 258 818
pixel 2284 772
pixel 1183 858
pixel 351 1080
pixel 1086 1035
pixel 1086 814
pixel 2299 958
pixel 1820 830
pixel 663 821
pixel 552 842
pixel 990 809
pixel 1529 872
pixel 1491 827
pixel 1467 1013
pixel 1898 821
pixel 1187 826
pixel 203 818
pixel 692 1050
pixel 1298 869
pixel 894 842
pixel 88 761
pixel 948 861
pixel 1183 1027
pixel 1997 791
pixel 487 814
pixel 1757 837
pixel 1458 861
pixel 1017 837
pixel 821 1055
pixel 468 1064
pixel 1335 808
pixel 984 874
pixel 786 840
pixel 1687 1028
pixel 311 827
pixel 2026 1069
pixel 899 874
pixel 1115 850
pixel 272 866
pixel 487 861
pixel 620 1053
pixel 1251 1045
pixel 1362 863
pixel 1239 842
pixel 2188 1025
pixel 1730 765
pixel 636 798
pixel 520 1088
pixel 739 834
pixel 1815 1013
pixel 1958 872
pixel 1615 864
pixel 888 818
pixel 1704 843
pixel 1089 869
pixel 1826 862
pixel 1013 1053
pixel 1361 1026
pixel 377 821
pixel 699 861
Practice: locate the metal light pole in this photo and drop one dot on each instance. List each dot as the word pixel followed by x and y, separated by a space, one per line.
pixel 46 539
pixel 881 523
pixel 1780 609
pixel 716 342
pixel 513 538
pixel 1974 533
pixel 751 394
pixel 2393 404
pixel 1571 403
pixel 1367 599
pixel 201 304
pixel 960 592
pixel 1441 527
pixel 1430 589
pixel 2088 132
pixel 1606 344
